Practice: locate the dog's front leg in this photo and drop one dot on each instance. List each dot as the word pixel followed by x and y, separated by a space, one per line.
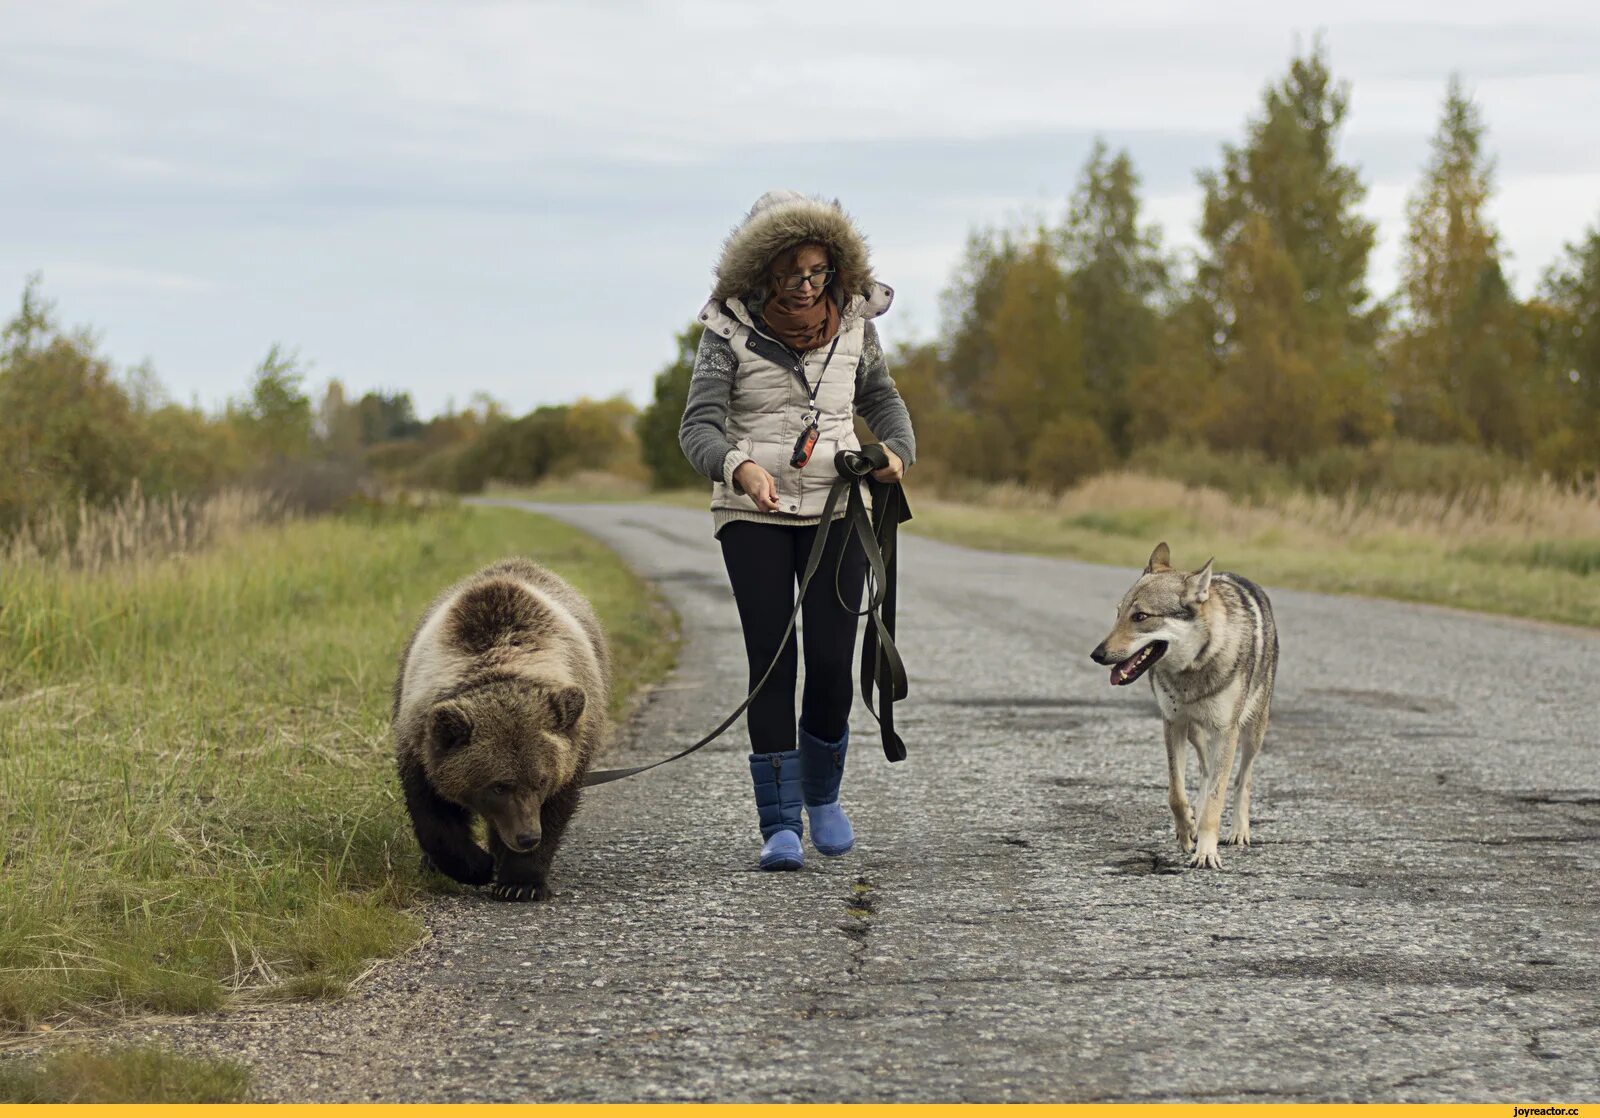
pixel 1220 748
pixel 1177 796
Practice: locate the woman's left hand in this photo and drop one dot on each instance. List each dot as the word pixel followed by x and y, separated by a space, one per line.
pixel 894 471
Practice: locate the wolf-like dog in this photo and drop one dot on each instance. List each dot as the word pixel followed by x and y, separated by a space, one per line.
pixel 1210 647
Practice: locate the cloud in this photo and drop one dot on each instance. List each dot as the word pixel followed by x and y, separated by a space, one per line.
pixel 89 276
pixel 527 197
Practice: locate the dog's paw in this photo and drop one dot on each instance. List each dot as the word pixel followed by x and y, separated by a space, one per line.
pixel 1186 837
pixel 519 891
pixel 1239 836
pixel 1205 856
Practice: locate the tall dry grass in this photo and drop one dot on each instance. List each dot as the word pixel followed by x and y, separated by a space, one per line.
pixel 137 528
pixel 1508 512
pixel 1527 547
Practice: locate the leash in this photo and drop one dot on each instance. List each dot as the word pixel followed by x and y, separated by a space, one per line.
pixel 877 535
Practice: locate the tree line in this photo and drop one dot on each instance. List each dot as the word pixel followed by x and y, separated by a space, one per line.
pixel 1070 348
pixel 1065 349
pixel 73 429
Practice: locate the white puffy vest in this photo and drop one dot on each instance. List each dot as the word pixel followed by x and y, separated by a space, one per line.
pixel 771 396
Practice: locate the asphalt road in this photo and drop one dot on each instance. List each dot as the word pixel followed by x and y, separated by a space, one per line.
pixel 1419 920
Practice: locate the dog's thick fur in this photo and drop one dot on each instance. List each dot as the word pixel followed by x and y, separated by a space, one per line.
pixel 1210 646
pixel 499 706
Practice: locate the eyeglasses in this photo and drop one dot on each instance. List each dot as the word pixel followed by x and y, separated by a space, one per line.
pixel 812 279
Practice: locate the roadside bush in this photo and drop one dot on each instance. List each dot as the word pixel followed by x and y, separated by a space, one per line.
pixel 312 488
pixel 1239 473
pixel 1069 448
pixel 1404 466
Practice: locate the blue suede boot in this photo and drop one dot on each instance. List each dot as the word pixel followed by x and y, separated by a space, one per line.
pixel 777 781
pixel 821 769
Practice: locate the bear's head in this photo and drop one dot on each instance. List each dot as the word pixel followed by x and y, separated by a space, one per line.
pixel 504 748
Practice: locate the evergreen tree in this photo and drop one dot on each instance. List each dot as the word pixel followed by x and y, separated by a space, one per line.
pixel 969 308
pixel 1174 389
pixel 385 416
pixel 1272 395
pixel 1284 272
pixel 945 433
pixel 1117 280
pixel 1462 365
pixel 1572 291
pixel 1035 343
pixel 657 426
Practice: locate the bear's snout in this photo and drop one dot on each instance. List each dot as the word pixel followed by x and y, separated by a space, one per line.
pixel 527 840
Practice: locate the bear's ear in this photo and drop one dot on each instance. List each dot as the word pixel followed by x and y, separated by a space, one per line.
pixel 566 707
pixel 450 729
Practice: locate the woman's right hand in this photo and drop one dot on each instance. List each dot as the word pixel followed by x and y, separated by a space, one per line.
pixel 758 485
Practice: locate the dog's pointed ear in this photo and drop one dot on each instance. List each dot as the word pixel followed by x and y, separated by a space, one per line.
pixel 1198 587
pixel 1160 560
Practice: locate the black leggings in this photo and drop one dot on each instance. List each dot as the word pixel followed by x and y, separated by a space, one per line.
pixel 765 562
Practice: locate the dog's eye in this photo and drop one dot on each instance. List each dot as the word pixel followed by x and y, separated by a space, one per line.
pixel 1140 615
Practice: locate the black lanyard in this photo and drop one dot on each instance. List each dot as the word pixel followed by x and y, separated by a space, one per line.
pixel 813 389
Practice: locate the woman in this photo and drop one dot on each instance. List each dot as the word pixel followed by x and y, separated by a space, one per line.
pixel 789 349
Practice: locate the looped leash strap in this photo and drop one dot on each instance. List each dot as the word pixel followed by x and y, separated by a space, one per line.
pixel 853 468
pixel 881 666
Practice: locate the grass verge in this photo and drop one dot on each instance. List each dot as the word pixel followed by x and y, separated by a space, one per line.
pixel 599 487
pixel 196 790
pixel 124 1075
pixel 1529 551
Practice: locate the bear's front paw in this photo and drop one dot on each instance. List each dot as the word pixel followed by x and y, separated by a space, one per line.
pixel 519 891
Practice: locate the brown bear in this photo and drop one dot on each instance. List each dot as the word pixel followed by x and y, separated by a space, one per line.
pixel 499 707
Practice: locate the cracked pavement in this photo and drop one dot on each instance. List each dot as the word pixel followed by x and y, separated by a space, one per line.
pixel 1418 920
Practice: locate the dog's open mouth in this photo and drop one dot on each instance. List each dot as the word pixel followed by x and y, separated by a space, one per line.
pixel 1137 664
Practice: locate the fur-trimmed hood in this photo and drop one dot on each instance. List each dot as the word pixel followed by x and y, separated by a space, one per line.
pixel 781 219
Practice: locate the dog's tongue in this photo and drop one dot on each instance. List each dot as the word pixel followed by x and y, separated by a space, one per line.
pixel 1118 674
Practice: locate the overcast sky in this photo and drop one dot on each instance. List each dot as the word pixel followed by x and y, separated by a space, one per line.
pixel 527 198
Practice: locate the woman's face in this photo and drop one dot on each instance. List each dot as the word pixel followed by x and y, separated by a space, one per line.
pixel 804 261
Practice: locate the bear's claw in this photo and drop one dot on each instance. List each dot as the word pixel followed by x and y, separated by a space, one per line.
pixel 519 891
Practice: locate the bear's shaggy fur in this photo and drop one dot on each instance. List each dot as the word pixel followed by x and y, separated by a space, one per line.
pixel 499 707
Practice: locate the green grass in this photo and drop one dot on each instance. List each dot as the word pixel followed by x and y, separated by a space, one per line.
pixel 126 1075
pixel 1580 557
pixel 1523 566
pixel 597 487
pixel 196 790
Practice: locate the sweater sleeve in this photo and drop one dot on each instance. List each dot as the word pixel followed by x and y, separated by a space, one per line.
pixel 703 432
pixel 878 401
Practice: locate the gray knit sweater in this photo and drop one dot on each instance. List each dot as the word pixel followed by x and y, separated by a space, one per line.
pixel 703 434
